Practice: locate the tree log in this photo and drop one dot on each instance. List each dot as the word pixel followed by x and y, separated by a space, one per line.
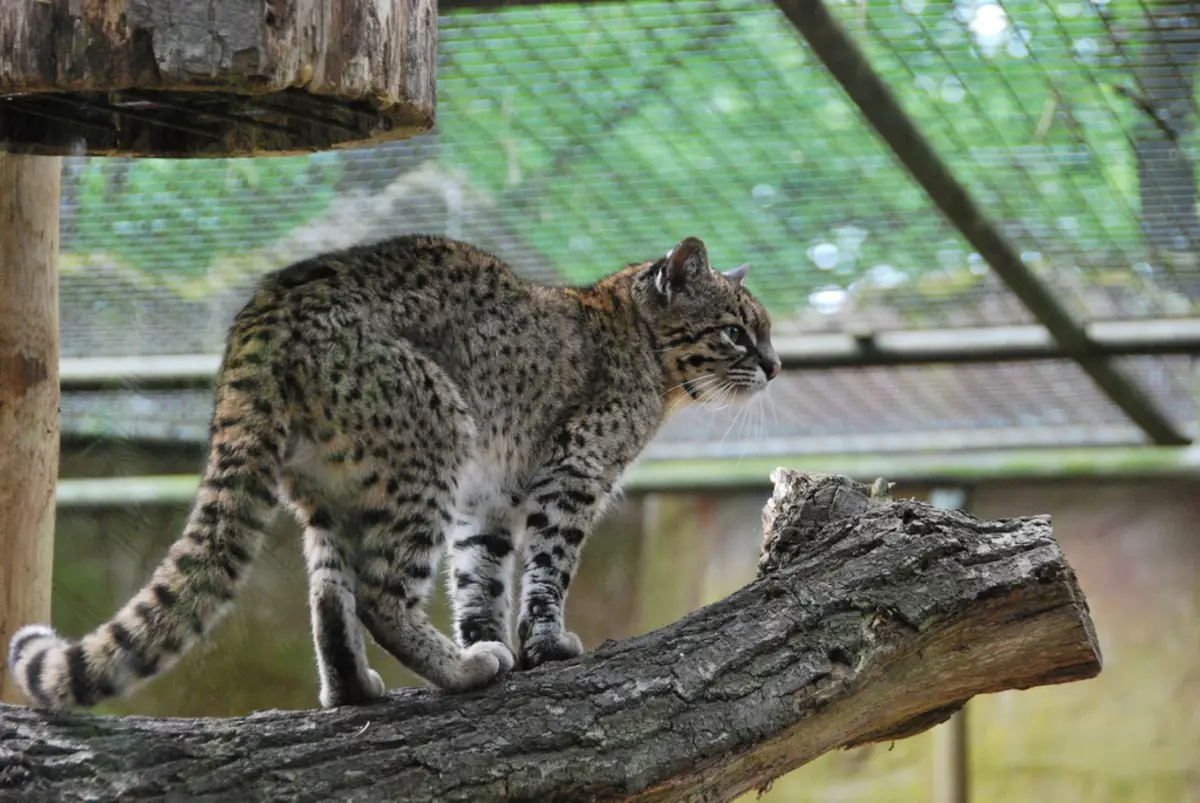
pixel 872 620
pixel 29 393
pixel 178 79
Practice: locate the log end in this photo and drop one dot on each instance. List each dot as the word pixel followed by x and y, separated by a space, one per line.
pixel 1035 606
pixel 239 78
pixel 803 504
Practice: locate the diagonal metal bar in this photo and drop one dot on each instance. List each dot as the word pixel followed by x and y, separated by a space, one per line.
pixel 871 95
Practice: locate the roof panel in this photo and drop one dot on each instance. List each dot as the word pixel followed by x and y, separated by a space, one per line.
pixel 1035 403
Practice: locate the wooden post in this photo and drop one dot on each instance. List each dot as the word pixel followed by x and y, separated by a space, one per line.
pixel 952 761
pixel 951 780
pixel 29 416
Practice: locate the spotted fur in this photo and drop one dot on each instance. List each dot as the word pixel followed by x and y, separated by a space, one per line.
pixel 409 398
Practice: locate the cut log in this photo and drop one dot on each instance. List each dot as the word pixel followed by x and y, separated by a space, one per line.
pixel 165 78
pixel 872 620
pixel 29 417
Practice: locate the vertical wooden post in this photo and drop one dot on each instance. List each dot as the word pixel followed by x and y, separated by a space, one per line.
pixel 951 782
pixel 952 763
pixel 29 416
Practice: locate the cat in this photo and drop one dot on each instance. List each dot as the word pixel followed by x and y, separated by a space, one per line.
pixel 409 398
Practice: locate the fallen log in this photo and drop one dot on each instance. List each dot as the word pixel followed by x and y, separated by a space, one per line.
pixel 871 620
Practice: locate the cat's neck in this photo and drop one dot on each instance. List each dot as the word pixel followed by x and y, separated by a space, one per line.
pixel 613 294
pixel 617 301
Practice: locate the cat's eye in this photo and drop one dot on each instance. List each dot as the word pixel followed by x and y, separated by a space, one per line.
pixel 733 332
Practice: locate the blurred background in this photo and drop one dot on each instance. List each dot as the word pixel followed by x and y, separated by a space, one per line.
pixel 573 138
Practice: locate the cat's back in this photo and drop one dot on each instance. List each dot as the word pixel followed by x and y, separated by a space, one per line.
pixel 425 265
pixel 455 302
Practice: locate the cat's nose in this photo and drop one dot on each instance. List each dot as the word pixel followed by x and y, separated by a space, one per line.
pixel 771 368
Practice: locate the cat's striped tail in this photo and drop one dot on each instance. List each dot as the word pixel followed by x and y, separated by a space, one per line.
pixel 189 590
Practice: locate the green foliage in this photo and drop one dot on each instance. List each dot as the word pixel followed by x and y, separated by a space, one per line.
pixel 606 132
pixel 609 131
pixel 176 217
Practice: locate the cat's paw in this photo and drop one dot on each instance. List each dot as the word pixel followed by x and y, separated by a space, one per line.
pixel 481 664
pixel 375 685
pixel 366 690
pixel 540 649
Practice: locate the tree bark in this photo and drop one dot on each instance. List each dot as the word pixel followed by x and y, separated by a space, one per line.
pixel 871 620
pixel 171 78
pixel 29 392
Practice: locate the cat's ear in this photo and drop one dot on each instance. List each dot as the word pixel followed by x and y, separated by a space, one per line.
pixel 685 263
pixel 738 274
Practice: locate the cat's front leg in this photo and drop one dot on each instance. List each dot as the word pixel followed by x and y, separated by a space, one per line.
pixel 565 499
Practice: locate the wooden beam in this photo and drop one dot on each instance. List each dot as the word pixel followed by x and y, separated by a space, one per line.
pixel 985 344
pixel 834 47
pixel 29 198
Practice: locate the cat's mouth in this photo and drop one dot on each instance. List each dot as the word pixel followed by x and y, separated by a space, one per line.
pixel 732 388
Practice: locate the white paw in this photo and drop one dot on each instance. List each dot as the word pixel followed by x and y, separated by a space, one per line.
pixel 503 654
pixel 571 643
pixel 481 664
pixel 375 684
pixel 372 688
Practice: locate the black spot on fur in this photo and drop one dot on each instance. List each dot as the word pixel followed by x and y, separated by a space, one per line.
pixel 237 551
pixel 329 563
pixel 373 517
pixel 418 571
pixel 496 545
pixel 581 497
pixel 246 385
pixel 19 645
pixel 142 664
pixel 33 677
pixel 163 595
pixel 83 685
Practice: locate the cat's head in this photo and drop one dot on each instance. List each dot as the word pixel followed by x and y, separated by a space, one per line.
pixel 713 335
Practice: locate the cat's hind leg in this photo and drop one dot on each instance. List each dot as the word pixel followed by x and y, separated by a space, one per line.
pixel 398 561
pixel 407 484
pixel 346 678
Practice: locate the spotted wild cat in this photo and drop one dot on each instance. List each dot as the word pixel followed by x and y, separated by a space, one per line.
pixel 405 395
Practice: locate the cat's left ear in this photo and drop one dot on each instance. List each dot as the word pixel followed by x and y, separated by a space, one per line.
pixel 686 263
pixel 738 274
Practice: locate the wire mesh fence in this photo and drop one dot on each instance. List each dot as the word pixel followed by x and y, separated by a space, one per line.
pixel 575 138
